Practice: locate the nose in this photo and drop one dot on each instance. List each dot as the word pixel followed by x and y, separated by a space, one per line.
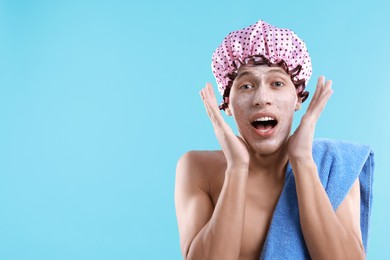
pixel 262 96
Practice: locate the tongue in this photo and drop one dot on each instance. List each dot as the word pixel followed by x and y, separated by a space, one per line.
pixel 264 127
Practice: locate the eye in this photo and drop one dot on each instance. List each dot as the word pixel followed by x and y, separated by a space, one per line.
pixel 278 84
pixel 246 86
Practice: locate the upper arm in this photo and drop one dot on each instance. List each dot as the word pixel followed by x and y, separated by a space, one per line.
pixel 193 205
pixel 348 212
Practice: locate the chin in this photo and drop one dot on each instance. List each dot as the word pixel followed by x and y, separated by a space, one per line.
pixel 266 147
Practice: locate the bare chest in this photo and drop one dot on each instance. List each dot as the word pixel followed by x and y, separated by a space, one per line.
pixel 261 200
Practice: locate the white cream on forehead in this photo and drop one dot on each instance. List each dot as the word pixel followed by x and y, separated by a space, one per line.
pixel 261 70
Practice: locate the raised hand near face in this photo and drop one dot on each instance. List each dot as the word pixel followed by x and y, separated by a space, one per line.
pixel 234 147
pixel 300 143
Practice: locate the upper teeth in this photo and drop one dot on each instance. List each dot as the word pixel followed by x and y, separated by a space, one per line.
pixel 264 118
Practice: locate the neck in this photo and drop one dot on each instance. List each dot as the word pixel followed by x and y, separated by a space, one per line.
pixel 270 166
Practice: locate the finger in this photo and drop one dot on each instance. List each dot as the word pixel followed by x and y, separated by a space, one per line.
pixel 206 103
pixel 203 96
pixel 317 107
pixel 318 93
pixel 320 83
pixel 210 102
pixel 221 128
pixel 211 105
pixel 324 95
pixel 323 98
pixel 210 97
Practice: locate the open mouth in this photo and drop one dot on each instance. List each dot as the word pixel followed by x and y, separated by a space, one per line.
pixel 265 123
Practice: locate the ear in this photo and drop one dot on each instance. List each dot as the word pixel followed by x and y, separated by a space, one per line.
pixel 228 112
pixel 298 104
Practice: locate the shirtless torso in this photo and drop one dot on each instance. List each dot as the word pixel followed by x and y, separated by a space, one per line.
pixel 262 194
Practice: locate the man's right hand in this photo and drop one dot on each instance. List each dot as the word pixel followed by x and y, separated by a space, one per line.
pixel 234 147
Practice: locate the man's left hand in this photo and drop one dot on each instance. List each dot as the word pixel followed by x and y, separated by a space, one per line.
pixel 300 143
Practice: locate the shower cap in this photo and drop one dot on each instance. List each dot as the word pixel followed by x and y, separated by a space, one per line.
pixel 261 43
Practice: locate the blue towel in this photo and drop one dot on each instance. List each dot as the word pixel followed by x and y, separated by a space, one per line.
pixel 339 164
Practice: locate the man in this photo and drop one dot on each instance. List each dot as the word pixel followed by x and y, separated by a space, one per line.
pixel 265 195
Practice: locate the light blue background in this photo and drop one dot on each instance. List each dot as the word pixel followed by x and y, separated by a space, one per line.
pixel 99 99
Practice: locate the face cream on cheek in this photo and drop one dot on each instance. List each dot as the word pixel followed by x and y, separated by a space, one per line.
pixel 238 107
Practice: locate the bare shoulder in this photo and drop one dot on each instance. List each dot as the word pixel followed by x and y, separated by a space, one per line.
pixel 203 157
pixel 200 167
pixel 195 174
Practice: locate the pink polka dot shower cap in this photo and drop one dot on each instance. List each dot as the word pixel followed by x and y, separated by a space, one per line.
pixel 261 43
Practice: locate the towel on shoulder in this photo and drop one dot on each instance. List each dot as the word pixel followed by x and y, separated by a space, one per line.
pixel 339 164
